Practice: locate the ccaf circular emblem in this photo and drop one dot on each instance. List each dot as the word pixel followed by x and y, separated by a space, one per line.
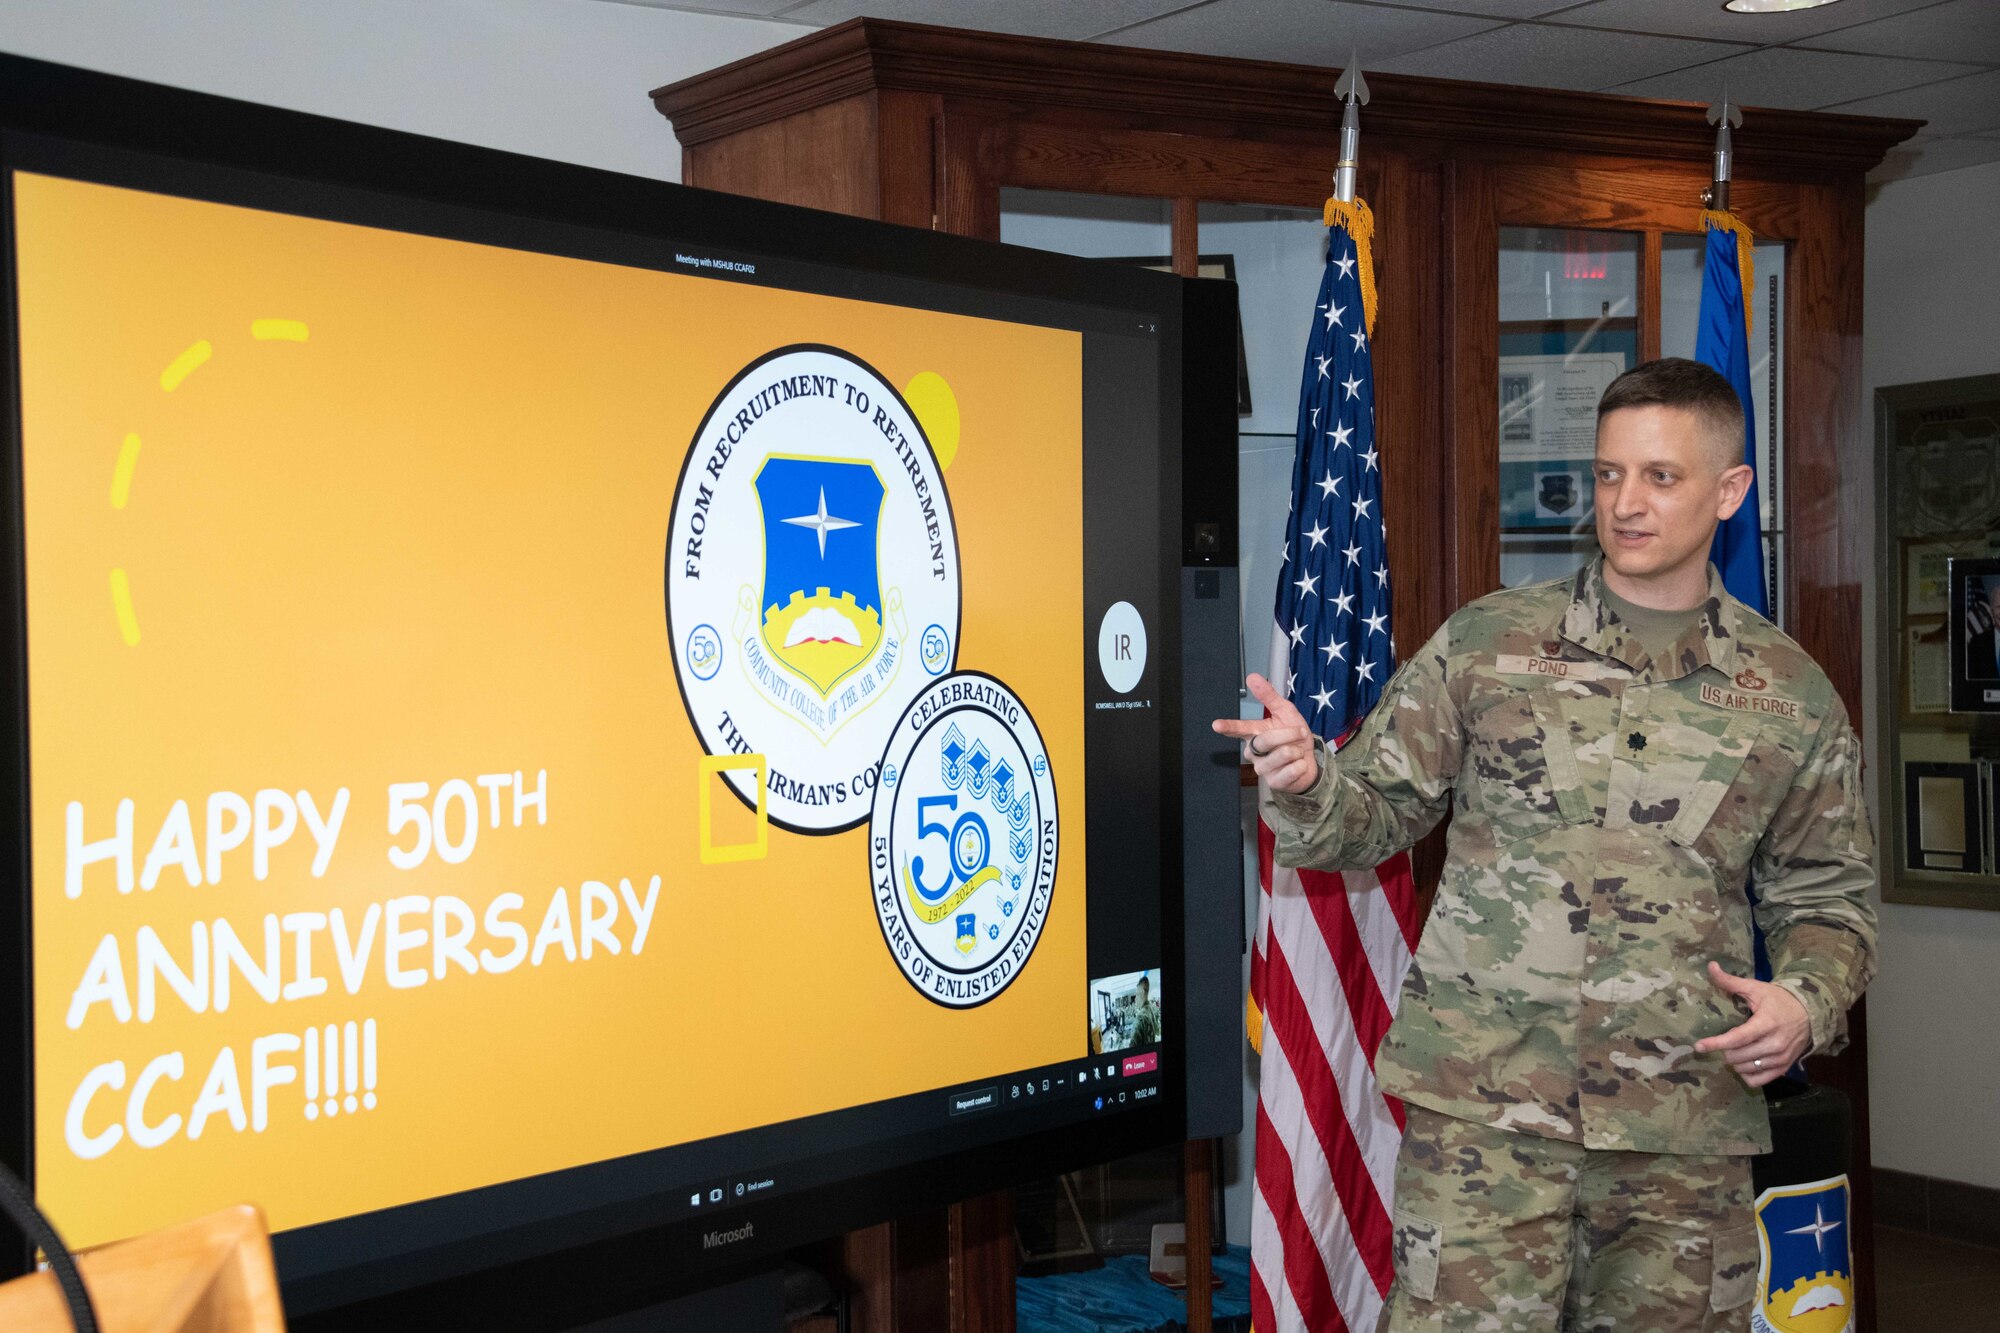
pixel 963 838
pixel 811 545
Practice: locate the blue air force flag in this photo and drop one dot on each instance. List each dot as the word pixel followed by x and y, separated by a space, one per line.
pixel 1722 342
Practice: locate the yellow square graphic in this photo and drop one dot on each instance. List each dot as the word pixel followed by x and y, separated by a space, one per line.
pixel 714 766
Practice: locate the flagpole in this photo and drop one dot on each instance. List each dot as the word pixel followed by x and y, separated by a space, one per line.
pixel 1332 947
pixel 1723 115
pixel 1354 88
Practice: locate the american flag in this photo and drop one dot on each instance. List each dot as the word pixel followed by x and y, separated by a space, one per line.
pixel 1331 949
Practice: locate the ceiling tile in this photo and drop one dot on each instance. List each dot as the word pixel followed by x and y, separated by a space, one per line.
pixel 1493 9
pixel 1707 18
pixel 1956 106
pixel 1534 55
pixel 1957 30
pixel 760 7
pixel 1037 18
pixel 1788 77
pixel 1926 157
pixel 1312 32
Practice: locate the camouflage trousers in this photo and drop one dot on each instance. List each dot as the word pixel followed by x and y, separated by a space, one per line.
pixel 1513 1233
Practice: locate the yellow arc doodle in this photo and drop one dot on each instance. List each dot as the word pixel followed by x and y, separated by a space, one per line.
pixel 182 366
pixel 185 365
pixel 930 916
pixel 121 603
pixel 936 407
pixel 121 476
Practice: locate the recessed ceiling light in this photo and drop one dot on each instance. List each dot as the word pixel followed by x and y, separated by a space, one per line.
pixel 1773 6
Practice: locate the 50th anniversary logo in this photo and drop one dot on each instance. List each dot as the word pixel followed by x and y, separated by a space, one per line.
pixel 814 603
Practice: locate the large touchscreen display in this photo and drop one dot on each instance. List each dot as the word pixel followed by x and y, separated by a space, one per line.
pixel 493 711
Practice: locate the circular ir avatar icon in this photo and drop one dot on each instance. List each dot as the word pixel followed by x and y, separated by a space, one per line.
pixel 1121 647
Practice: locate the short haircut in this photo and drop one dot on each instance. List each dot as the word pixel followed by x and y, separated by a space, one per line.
pixel 1674 381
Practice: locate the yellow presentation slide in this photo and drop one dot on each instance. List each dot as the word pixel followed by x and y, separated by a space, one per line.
pixel 491 712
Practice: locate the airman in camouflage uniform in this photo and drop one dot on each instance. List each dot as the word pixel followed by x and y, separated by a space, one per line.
pixel 1582 1095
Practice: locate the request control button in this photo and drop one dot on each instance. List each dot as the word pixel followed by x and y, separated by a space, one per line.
pixel 979 1099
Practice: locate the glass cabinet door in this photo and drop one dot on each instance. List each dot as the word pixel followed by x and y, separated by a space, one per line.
pixel 1569 325
pixel 1577 308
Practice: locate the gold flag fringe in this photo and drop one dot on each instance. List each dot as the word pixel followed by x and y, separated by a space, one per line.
pixel 1360 224
pixel 1746 264
pixel 1253 1022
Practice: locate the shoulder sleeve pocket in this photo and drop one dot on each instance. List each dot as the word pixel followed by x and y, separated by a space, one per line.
pixel 1733 1279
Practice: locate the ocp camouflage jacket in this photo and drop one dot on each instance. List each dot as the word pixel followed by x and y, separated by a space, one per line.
pixel 1606 812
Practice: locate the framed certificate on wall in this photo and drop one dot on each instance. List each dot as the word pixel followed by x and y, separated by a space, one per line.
pixel 1943 820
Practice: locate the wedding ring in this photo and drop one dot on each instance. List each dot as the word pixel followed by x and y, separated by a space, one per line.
pixel 1756 1064
pixel 1254 750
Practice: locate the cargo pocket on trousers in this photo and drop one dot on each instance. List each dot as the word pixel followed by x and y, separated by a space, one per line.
pixel 1417 1242
pixel 1733 1278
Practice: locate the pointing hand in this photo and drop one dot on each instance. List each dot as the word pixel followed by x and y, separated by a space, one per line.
pixel 1280 746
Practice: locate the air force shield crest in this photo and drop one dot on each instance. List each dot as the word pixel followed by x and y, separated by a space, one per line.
pixel 812 581
pixel 1806 1282
pixel 822 602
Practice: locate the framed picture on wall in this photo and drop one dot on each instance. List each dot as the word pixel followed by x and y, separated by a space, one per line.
pixel 1927 667
pixel 1208 266
pixel 1973 614
pixel 1943 824
pixel 1926 575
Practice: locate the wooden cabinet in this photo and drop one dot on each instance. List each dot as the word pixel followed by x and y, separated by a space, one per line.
pixel 926 126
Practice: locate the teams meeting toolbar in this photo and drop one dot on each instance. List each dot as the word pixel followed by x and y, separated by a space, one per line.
pixel 1102 1084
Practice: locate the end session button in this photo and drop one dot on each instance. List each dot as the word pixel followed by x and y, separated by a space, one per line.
pixel 1142 1064
pixel 979 1099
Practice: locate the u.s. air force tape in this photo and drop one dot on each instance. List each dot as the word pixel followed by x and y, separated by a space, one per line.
pixel 963 839
pixel 811 577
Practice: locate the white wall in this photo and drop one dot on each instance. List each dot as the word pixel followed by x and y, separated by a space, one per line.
pixel 1931 287
pixel 563 79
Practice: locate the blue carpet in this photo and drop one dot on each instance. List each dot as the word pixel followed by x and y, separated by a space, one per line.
pixel 1121 1298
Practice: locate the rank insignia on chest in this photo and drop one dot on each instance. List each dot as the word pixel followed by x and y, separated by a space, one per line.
pixel 1637 741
